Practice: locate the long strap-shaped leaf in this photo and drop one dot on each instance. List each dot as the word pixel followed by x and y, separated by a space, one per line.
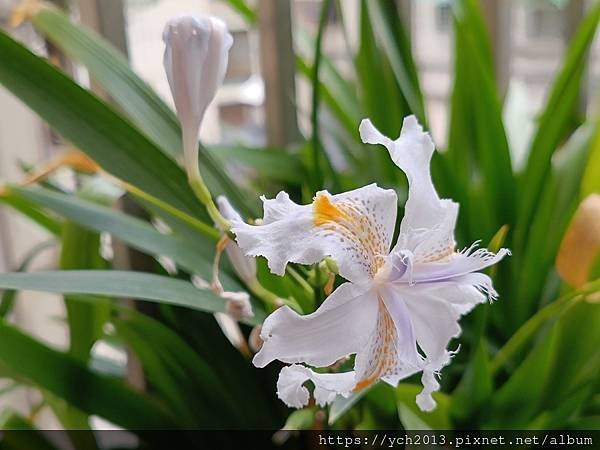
pixel 93 126
pixel 70 380
pixel 387 24
pixel 195 257
pixel 476 131
pixel 178 372
pixel 8 297
pixel 554 122
pixel 29 210
pixel 141 104
pixel 121 284
pixel 555 207
pixel 110 68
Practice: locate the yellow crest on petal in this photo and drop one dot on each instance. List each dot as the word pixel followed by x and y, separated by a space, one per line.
pixel 326 212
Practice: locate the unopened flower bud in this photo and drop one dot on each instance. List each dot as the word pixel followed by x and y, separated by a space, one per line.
pixel 195 60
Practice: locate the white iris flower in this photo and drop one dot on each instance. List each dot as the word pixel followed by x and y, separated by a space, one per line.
pixel 399 308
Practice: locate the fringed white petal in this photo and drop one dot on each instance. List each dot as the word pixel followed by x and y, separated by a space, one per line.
pixel 458 265
pixel 425 399
pixel 435 321
pixel 291 389
pixel 354 228
pixel 427 228
pixel 341 326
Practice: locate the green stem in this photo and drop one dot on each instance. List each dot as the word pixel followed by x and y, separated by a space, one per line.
pixel 203 194
pixel 268 297
pixel 203 228
pixel 300 280
pixel 271 300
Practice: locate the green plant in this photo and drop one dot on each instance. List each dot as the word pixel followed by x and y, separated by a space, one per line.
pixel 530 360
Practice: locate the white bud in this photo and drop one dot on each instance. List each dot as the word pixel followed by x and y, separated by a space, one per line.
pixel 238 305
pixel 244 266
pixel 195 60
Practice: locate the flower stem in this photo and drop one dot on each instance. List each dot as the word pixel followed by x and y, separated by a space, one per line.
pixel 203 194
pixel 203 228
pixel 271 300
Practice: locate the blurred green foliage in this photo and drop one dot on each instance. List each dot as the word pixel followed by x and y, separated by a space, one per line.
pixel 530 360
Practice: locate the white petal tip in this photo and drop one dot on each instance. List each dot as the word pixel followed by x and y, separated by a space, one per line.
pixel 290 389
pixel 259 360
pixel 277 268
pixel 411 122
pixel 425 402
pixel 222 200
pixel 369 134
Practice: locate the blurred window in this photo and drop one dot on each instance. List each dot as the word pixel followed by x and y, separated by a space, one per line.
pixel 544 21
pixel 239 67
pixel 443 17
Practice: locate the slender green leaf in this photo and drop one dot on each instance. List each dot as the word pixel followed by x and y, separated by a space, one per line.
pixel 387 24
pixel 556 206
pixel 243 9
pixel 319 157
pixel 175 370
pixel 93 126
pixel 141 104
pixel 378 89
pixel 30 211
pixel 555 121
pixel 558 375
pixel 514 404
pixel 590 182
pixel 380 94
pixel 337 92
pixel 576 362
pixel 194 255
pixel 528 330
pixel 109 67
pixel 121 284
pixel 9 296
pixel 81 250
pixel 69 379
pixel 478 145
pixel 474 389
pixel 255 396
